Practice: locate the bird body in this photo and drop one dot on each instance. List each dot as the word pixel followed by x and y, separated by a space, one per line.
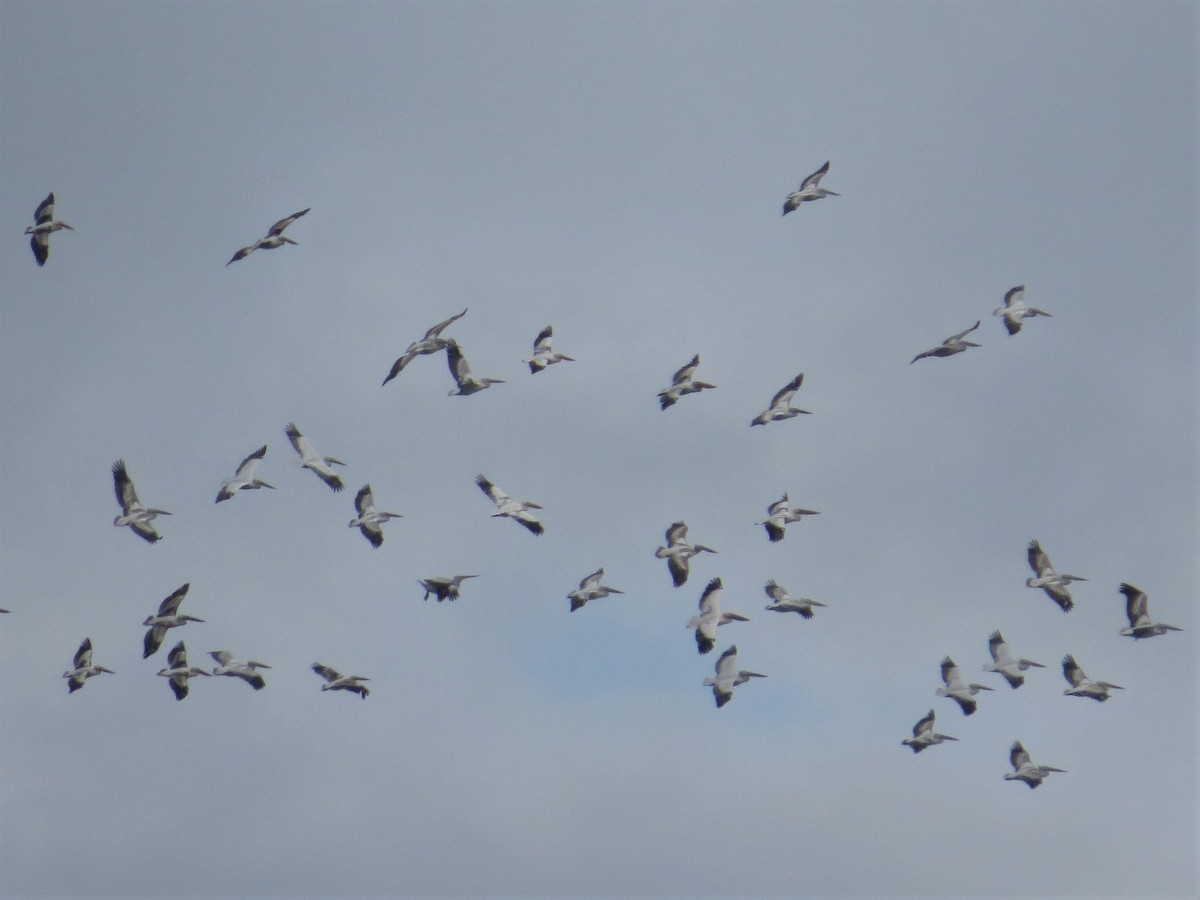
pixel 728 676
pixel 590 588
pixel 782 602
pixel 711 616
pixel 178 671
pixel 137 517
pixel 810 189
pixel 779 514
pixel 309 459
pixel 951 345
pixel 1024 769
pixel 683 383
pixel 1015 309
pixel 243 479
pixel 369 520
pixel 506 506
pixel 924 736
pixel 431 343
pixel 237 669
pixel 1052 583
pixel 44 225
pixel 83 668
pixel 168 616
pixel 543 353
pixel 274 238
pixel 1003 663
pixel 335 681
pixel 678 552
pixel 1137 610
pixel 443 588
pixel 781 404
pixel 1081 685
pixel 957 688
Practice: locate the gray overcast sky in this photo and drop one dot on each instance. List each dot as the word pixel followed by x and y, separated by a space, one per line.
pixel 616 170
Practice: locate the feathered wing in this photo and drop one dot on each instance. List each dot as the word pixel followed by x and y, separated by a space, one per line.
pixel 784 395
pixel 1137 605
pixel 277 229
pixel 1039 560
pixel 815 178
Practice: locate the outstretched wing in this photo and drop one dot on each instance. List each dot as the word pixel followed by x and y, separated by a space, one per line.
pixel 170 606
pixel 1039 559
pixel 83 656
pixel 962 334
pixel 123 484
pixel 686 372
pixel 437 329
pixel 815 178
pixel 497 496
pixel 278 227
pixel 784 395
pixel 1136 604
pixel 245 469
pixel 1018 756
pixel 326 672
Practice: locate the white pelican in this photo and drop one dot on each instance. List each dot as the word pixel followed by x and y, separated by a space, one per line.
pixel 508 507
pixel 1015 309
pixel 678 552
pixel 782 602
pixel 779 514
pixel 781 404
pixel 133 514
pixel 443 588
pixel 1024 769
pixel 243 479
pixel 335 681
pixel 178 671
pixel 957 689
pixel 368 520
pixel 951 345
pixel 683 383
pixel 711 616
pixel 461 370
pixel 44 225
pixel 431 343
pixel 1004 664
pixel 83 667
pixel 275 238
pixel 590 589
pixel 728 676
pixel 543 354
pixel 924 735
pixel 1047 579
pixel 809 190
pixel 318 465
pixel 167 617
pixel 1138 613
pixel 1081 685
pixel 238 669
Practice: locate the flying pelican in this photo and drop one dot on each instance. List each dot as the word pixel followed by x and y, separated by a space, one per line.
pixel 1024 769
pixel 83 667
pixel 133 514
pixel 368 520
pixel 318 465
pixel 1047 579
pixel 178 671
pixel 951 345
pixel 508 507
pixel 1138 613
pixel 710 617
pixel 238 669
pixel 543 354
pixel 809 190
pixel 243 479
pixel 779 514
pixel 275 238
pixel 167 617
pixel 781 404
pixel 44 226
pixel 590 589
pixel 1015 309
pixel 1004 664
pixel 461 370
pixel 957 689
pixel 924 735
pixel 335 681
pixel 781 602
pixel 678 552
pixel 1081 685
pixel 443 588
pixel 682 383
pixel 728 676
pixel 431 343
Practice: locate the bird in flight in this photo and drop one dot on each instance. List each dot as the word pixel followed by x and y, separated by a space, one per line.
pixel 810 189
pixel 1015 309
pixel 44 225
pixel 951 345
pixel 137 517
pixel 431 343
pixel 683 383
